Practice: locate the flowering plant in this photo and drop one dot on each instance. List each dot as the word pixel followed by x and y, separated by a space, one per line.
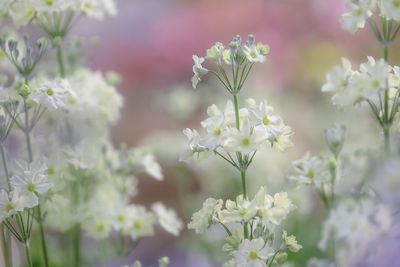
pixel 234 134
pixel 65 175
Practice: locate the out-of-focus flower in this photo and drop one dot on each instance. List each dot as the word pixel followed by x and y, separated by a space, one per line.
pixel 309 170
pixel 253 253
pixel 198 70
pixel 357 13
pixel 291 242
pixel 202 219
pixel 53 94
pixel 167 218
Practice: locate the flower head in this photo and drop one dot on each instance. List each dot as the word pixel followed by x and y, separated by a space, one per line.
pixel 254 253
pixel 198 70
pixel 167 218
pixel 202 219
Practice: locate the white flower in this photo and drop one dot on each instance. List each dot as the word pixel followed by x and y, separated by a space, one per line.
pixel 50 5
pixel 21 12
pixel 281 207
pixel 198 70
pixel 242 210
pixel 152 167
pixel 337 78
pixel 202 219
pixel 53 94
pixel 255 53
pixel 390 9
pixel 97 227
pixel 253 253
pixel 32 181
pixel 246 140
pixel 141 223
pixel 309 170
pixel 98 103
pixel 215 52
pixel 195 148
pixel 372 78
pixel 13 202
pixel 356 224
pixel 163 262
pixel 291 242
pixel 97 9
pixel 216 126
pixel 167 218
pixel 357 13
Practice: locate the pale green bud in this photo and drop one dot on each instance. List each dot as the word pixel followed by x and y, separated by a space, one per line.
pixel 113 78
pixel 163 262
pixel 24 90
pixel 335 137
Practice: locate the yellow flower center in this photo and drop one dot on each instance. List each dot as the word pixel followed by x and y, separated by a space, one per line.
pixel 246 141
pixel 8 207
pixel 49 2
pixel 101 227
pixel 375 83
pixel 31 188
pixel 310 174
pixel 265 120
pixel 121 218
pixel 137 225
pixel 49 92
pixel 217 132
pixel 396 4
pixel 51 170
pixel 253 255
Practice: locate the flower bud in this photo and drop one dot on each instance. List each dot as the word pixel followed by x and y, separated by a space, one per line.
pixel 335 138
pixel 24 90
pixel 163 262
pixel 250 40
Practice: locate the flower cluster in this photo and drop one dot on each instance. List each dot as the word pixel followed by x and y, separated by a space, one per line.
pixel 354 225
pixel 366 84
pixel 60 117
pixel 259 126
pixel 23 12
pixel 236 55
pixel 359 11
pixel 263 214
pixel 236 134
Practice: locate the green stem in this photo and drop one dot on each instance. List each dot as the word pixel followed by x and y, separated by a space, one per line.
pixel 76 243
pixel 240 160
pixel 60 58
pixel 6 246
pixel 386 123
pixel 4 160
pixel 243 176
pixel 27 131
pixel 43 237
pixel 28 254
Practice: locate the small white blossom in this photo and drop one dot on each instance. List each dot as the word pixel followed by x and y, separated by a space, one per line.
pixel 167 218
pixel 254 253
pixel 291 242
pixel 357 13
pixel 198 70
pixel 53 94
pixel 255 53
pixel 202 219
pixel 152 167
pixel 15 201
pixel 32 181
pixel 310 171
pixel 390 9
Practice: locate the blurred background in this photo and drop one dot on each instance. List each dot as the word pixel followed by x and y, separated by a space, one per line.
pixel 150 44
